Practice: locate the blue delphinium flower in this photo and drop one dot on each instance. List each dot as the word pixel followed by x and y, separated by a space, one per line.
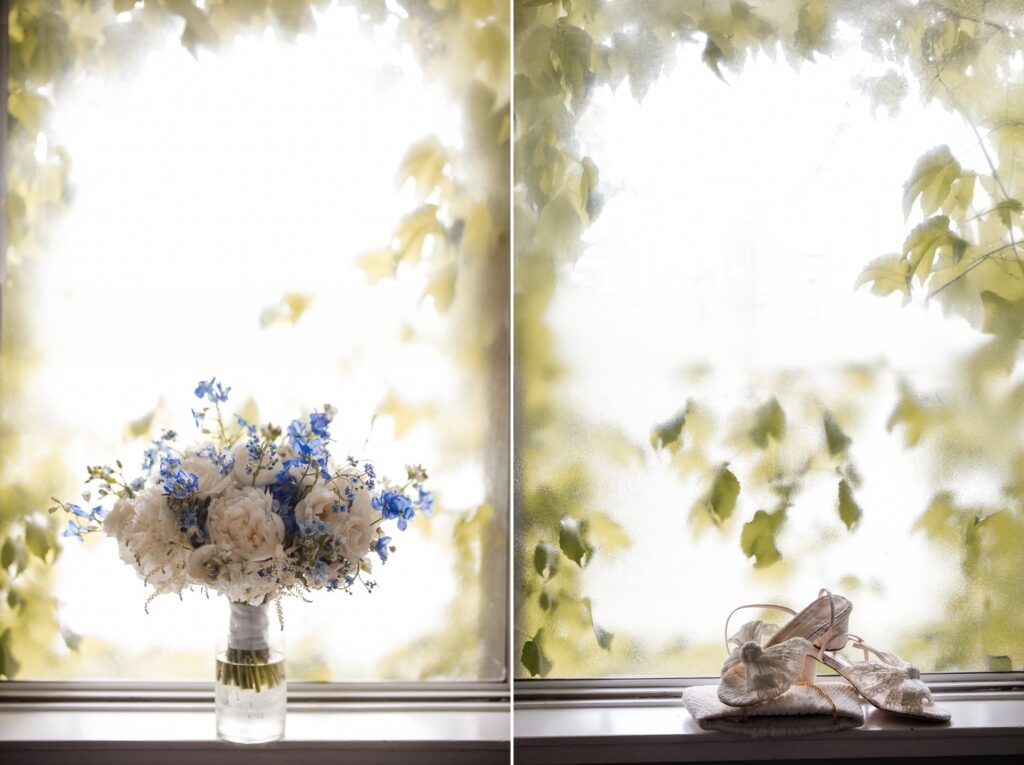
pixel 312 528
pixel 319 422
pixel 244 423
pixel 381 548
pixel 77 510
pixel 425 502
pixel 319 572
pixel 214 391
pixel 153 452
pixel 193 527
pixel 198 417
pixel 177 482
pixel 393 504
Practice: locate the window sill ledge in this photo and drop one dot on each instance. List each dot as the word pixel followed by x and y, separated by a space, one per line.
pixel 451 733
pixel 661 732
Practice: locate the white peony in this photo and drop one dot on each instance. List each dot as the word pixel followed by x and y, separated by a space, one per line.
pixel 212 482
pixel 150 540
pixel 242 521
pixel 116 520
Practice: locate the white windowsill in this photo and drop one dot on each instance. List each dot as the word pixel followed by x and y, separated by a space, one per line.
pixel 176 732
pixel 643 732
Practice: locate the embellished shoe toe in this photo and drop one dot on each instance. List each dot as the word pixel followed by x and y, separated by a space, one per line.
pixel 886 681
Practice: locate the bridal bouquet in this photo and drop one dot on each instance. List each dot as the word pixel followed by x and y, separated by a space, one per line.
pixel 252 511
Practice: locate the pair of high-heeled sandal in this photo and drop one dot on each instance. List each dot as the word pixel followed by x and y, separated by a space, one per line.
pixel 767 660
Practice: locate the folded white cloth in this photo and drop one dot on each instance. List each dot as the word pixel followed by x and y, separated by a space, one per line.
pixel 802 709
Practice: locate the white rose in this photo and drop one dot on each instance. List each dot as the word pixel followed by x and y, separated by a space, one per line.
pixel 121 516
pixel 354 528
pixel 198 564
pixel 242 521
pixel 211 481
pixel 351 523
pixel 318 505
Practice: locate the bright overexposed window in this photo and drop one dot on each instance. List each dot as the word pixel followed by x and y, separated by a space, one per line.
pixel 732 418
pixel 220 208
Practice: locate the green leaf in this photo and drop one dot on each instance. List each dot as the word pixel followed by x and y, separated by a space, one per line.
pixel 886 274
pixel 998 663
pixel 769 422
pixel 838 442
pixel 909 412
pixel 931 180
pixel 424 162
pixel 545 559
pixel 570 56
pixel 28 108
pixel 757 539
pixel 606 534
pixel 604 637
pixel 14 599
pixel 37 540
pixel 7 553
pixel 71 639
pixel 713 58
pixel 533 657
pixel 440 286
pixel 1006 210
pixel 295 305
pixel 666 434
pixel 572 538
pixel 959 202
pixel 378 264
pixel 8 664
pixel 811 32
pixel 922 243
pixel 937 519
pixel 720 500
pixel 46 47
pixel 1002 317
pixel 411 234
pixel 546 602
pixel 849 510
pixel 140 426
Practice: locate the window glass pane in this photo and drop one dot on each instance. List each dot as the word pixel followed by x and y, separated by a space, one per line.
pixel 717 407
pixel 228 206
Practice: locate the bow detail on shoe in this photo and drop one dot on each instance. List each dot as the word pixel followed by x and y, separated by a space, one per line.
pixel 753 670
pixel 897 681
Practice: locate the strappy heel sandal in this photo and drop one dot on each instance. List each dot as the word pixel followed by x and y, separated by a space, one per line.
pixel 887 681
pixel 766 660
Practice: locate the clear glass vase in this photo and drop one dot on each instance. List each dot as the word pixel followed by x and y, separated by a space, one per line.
pixel 251 694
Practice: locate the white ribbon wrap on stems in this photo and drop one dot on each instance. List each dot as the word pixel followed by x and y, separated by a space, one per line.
pixel 247 630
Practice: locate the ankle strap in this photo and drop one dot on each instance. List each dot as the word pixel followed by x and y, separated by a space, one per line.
pixel 732 613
